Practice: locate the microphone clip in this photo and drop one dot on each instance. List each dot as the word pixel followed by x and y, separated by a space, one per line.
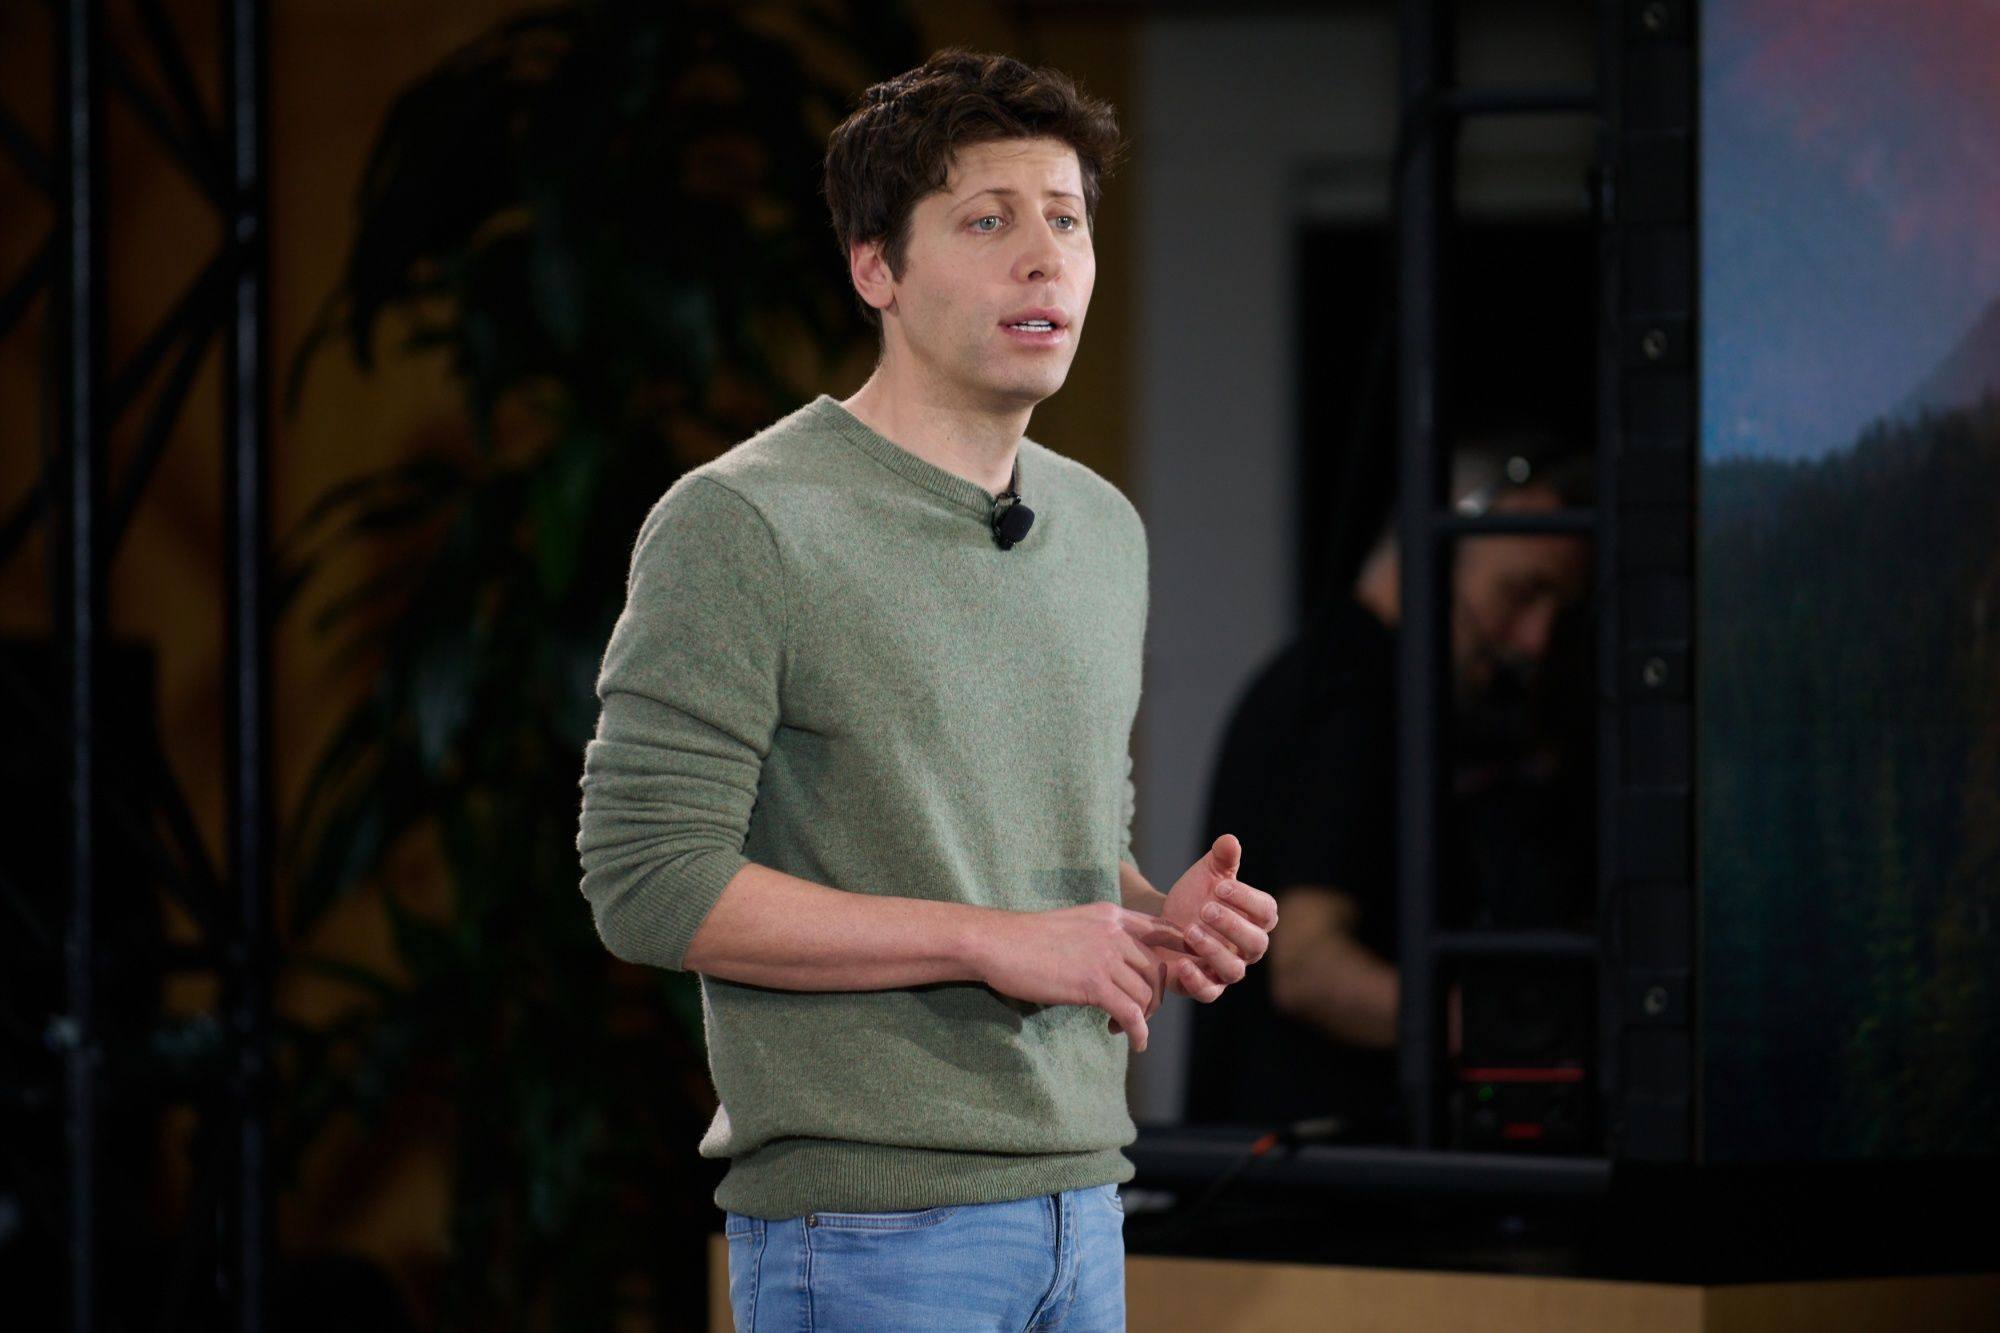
pixel 1011 519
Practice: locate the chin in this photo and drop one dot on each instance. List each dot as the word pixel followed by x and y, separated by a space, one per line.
pixel 1029 391
pixel 1048 384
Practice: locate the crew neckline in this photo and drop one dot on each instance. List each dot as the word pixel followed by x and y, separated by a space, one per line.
pixel 937 480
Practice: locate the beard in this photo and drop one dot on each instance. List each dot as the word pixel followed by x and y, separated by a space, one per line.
pixel 1495 718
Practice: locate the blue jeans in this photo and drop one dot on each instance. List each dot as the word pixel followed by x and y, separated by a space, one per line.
pixel 1051 1261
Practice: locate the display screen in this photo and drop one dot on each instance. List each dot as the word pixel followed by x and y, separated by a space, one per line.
pixel 1848 622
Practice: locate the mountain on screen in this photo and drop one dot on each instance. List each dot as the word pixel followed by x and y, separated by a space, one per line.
pixel 1971 370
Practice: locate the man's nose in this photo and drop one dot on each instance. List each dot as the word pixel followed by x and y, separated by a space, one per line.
pixel 1041 258
pixel 1531 637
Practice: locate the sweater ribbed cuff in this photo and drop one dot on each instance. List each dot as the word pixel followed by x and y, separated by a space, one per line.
pixel 655 921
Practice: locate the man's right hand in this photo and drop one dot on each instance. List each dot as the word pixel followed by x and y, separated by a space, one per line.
pixel 1098 954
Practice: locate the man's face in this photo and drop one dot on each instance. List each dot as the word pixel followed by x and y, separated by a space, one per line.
pixel 1506 593
pixel 1006 235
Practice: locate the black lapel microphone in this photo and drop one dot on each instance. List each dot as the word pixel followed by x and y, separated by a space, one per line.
pixel 1011 519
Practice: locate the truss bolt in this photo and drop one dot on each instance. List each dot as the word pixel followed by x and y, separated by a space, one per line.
pixel 63 1033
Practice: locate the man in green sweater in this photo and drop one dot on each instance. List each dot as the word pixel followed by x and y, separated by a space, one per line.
pixel 863 761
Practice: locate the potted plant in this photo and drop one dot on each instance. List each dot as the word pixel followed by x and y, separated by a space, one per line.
pixel 608 216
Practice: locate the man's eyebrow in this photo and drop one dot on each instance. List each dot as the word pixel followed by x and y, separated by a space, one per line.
pixel 1010 193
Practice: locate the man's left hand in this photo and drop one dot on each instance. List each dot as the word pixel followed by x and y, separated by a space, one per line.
pixel 1225 941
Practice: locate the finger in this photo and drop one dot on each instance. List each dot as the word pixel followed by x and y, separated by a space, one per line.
pixel 1259 907
pixel 1129 975
pixel 1155 976
pixel 1245 938
pixel 1164 947
pixel 1196 984
pixel 1216 956
pixel 1148 929
pixel 1125 1014
pixel 1217 922
pixel 1156 963
pixel 1225 855
pixel 1158 977
pixel 1115 997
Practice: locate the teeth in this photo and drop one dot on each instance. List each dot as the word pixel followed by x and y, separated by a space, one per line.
pixel 1033 324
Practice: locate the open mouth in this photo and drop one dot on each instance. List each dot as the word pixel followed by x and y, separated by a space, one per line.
pixel 1036 332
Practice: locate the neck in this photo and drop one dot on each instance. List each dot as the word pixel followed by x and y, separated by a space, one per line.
pixel 973 440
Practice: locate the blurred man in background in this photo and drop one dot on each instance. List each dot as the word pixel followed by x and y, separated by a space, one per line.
pixel 1306 777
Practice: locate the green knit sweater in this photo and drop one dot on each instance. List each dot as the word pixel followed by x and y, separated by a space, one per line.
pixel 827 665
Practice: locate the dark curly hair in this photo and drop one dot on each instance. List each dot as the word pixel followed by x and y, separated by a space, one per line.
pixel 896 146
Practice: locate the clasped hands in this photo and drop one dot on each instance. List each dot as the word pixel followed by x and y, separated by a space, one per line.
pixel 1124 959
pixel 1223 923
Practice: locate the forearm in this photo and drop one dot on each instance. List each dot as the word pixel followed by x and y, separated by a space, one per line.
pixel 773 929
pixel 1136 893
pixel 1341 987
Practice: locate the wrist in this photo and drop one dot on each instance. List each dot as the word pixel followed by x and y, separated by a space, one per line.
pixel 1136 893
pixel 974 933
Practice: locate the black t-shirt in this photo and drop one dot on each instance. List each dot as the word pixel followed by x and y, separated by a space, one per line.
pixel 1306 779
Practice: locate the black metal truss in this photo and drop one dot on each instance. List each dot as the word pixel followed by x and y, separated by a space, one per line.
pixel 1640 522
pixel 125 830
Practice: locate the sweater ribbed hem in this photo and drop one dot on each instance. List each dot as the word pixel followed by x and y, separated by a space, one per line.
pixel 792 1176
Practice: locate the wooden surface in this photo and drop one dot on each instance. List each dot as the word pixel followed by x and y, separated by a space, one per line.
pixel 1165 1295
pixel 1953 1304
pixel 1226 1294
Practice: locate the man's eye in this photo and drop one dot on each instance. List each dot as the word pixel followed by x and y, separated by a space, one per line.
pixel 990 217
pixel 1071 217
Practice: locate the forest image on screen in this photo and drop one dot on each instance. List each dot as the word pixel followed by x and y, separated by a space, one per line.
pixel 1848 612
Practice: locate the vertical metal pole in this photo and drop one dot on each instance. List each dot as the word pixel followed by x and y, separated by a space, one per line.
pixel 1610 716
pixel 78 596
pixel 1421 192
pixel 246 398
pixel 1695 1148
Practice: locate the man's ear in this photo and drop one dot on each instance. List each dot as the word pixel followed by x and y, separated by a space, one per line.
pixel 870 273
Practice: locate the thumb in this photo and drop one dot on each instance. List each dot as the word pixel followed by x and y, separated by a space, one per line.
pixel 1225 856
